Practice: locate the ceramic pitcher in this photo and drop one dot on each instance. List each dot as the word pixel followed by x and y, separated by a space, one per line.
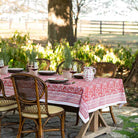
pixel 89 73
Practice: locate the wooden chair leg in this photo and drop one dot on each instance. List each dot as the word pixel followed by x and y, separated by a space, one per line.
pixel 36 127
pixel 20 134
pixel 63 125
pixel 0 128
pixel 40 128
pixel 41 134
pixel 112 115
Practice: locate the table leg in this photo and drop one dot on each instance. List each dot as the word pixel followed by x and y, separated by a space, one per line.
pixel 92 128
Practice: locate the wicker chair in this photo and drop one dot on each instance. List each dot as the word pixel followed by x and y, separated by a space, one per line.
pixel 79 64
pixel 7 104
pixel 108 70
pixel 29 91
pixel 43 64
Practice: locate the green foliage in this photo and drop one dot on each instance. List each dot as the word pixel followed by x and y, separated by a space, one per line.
pixel 31 55
pixel 19 39
pixel 132 96
pixel 67 56
pixel 4 52
pixel 130 127
pixel 55 55
pixel 20 50
pixel 125 56
pixel 94 53
pixel 16 51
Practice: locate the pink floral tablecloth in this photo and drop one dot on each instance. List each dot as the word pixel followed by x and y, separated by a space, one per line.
pixel 88 96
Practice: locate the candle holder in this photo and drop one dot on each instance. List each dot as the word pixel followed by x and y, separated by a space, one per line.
pixel 34 71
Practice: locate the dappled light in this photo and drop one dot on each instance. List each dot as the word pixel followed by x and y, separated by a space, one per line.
pixel 60 21
pixel 57 20
pixel 131 112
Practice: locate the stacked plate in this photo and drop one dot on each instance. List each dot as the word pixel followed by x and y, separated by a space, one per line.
pixel 57 81
pixel 78 75
pixel 15 70
pixel 46 72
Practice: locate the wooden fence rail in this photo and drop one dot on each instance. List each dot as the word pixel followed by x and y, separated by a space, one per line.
pixel 110 27
pixel 84 27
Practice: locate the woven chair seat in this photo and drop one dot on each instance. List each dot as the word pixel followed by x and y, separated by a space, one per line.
pixel 7 104
pixel 4 102
pixel 31 111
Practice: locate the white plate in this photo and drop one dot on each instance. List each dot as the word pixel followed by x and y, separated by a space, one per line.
pixel 46 72
pixel 15 70
pixel 54 80
pixel 78 75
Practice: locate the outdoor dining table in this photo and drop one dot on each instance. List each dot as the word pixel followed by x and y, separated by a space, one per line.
pixel 88 96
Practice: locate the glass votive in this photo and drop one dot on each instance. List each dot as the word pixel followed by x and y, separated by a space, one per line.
pixel 34 71
pixel 1 63
pixel 30 68
pixel 35 65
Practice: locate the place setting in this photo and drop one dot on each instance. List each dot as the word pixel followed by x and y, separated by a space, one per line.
pixel 15 70
pixel 78 75
pixel 57 80
pixel 46 72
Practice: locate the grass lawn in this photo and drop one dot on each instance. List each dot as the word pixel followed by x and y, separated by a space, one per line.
pixel 40 36
pixel 113 40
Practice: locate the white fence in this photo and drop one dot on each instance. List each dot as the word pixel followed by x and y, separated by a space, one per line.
pixel 84 27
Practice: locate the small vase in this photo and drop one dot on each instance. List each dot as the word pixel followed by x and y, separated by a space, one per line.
pixel 67 74
pixel 1 63
pixel 4 70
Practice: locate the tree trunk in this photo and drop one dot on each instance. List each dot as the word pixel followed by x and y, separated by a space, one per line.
pixel 60 25
pixel 132 79
pixel 76 28
pixel 76 19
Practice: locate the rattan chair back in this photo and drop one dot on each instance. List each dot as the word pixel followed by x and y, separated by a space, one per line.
pixel 43 63
pixel 105 69
pixel 2 90
pixel 78 63
pixel 29 90
pixel 3 94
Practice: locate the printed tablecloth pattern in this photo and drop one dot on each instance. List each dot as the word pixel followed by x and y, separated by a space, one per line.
pixel 89 96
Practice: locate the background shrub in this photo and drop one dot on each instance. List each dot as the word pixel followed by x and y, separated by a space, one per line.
pixel 18 44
